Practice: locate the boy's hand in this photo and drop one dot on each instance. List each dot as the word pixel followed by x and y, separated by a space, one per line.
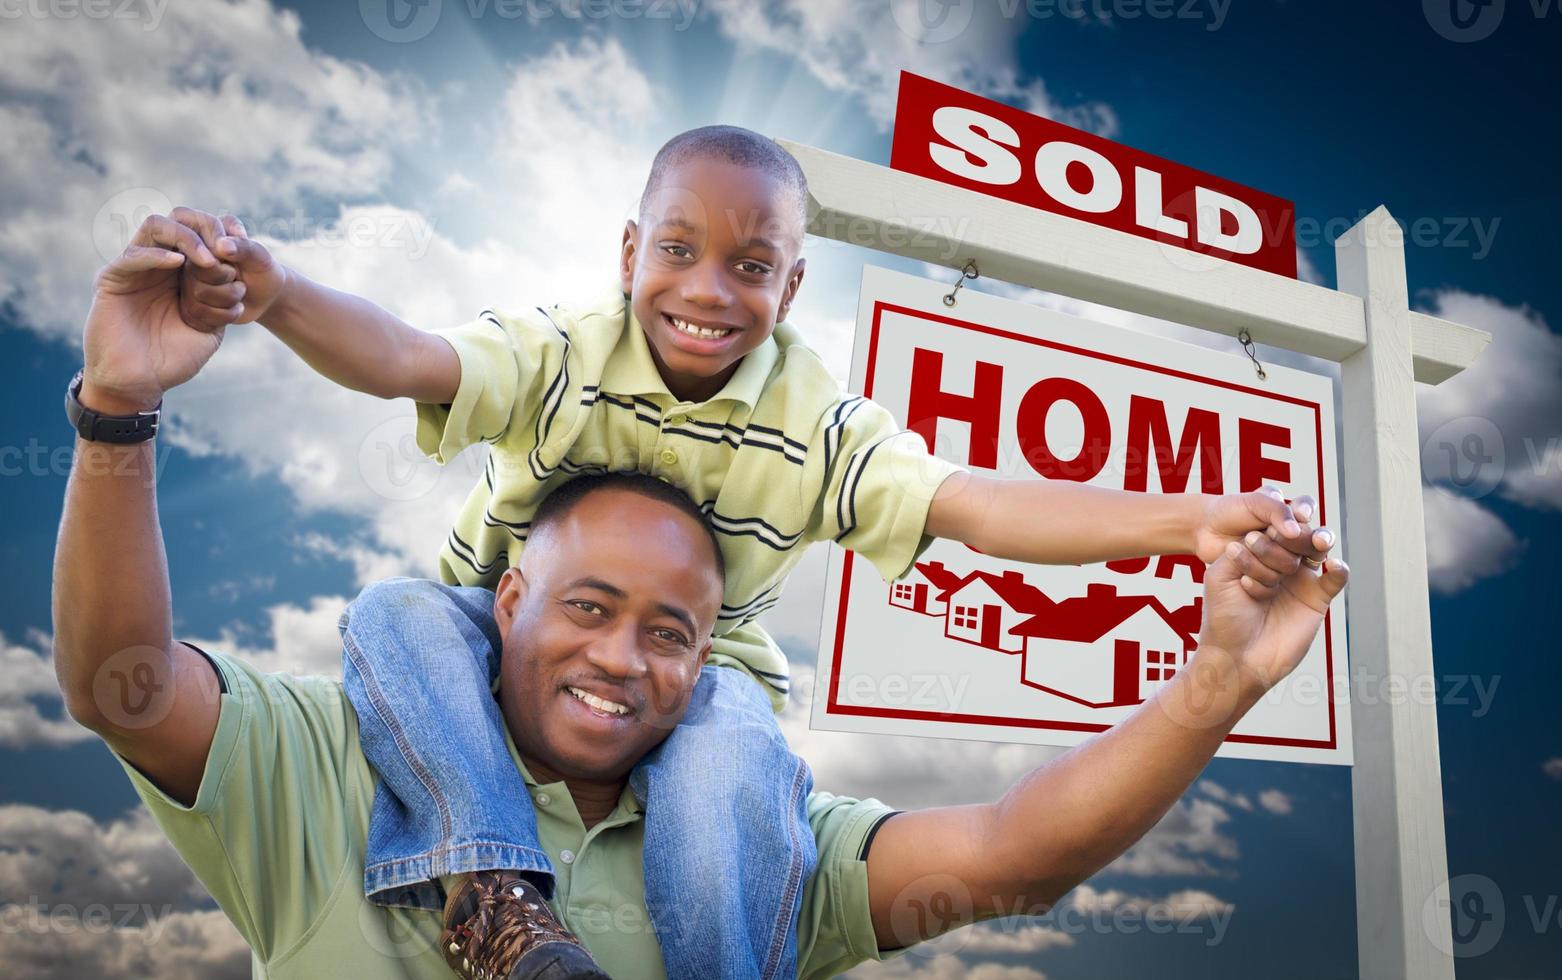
pixel 1229 517
pixel 245 283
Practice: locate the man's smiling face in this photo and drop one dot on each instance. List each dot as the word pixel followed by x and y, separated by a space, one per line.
pixel 711 266
pixel 606 623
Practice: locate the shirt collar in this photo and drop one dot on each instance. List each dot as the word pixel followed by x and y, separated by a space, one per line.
pixel 632 371
pixel 628 809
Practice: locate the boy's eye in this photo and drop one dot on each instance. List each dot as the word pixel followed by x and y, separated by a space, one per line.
pixel 677 251
pixel 753 268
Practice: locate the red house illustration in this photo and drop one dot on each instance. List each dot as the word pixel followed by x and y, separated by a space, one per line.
pixel 1103 649
pixel 984 609
pixel 920 590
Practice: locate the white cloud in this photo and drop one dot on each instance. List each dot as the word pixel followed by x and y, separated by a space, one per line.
pixel 1276 802
pixel 126 862
pixel 178 946
pixel 1552 767
pixel 861 49
pixel 1216 791
pixel 1510 398
pixel 943 966
pixel 30 684
pixel 1189 840
pixel 1465 542
pixel 304 641
pixel 90 899
pixel 1185 902
pixel 222 106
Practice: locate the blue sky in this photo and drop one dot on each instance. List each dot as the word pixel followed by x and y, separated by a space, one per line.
pixel 491 161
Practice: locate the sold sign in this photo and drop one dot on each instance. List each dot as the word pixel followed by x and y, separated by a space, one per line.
pixel 958 138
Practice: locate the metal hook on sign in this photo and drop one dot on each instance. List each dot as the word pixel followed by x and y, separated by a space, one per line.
pixel 1246 339
pixel 969 272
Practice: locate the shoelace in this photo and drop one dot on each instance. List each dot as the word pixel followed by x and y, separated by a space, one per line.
pixel 500 930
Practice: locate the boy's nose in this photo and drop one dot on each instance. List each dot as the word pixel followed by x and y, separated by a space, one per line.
pixel 705 286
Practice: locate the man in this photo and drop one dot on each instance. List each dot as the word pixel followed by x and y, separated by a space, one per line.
pixel 261 783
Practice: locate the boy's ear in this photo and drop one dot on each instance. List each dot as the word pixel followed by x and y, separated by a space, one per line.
pixel 789 294
pixel 508 597
pixel 626 257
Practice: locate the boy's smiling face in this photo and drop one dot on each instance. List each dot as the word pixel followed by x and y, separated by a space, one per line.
pixel 711 266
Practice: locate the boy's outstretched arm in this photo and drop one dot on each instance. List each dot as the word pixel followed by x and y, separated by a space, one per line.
pixel 1059 522
pixel 346 338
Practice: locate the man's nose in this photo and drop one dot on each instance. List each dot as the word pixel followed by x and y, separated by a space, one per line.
pixel 705 285
pixel 618 653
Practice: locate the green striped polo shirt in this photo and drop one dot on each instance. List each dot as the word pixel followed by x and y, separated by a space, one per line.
pixel 781 457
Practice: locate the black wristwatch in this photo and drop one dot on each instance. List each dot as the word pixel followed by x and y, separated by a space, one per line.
pixel 108 428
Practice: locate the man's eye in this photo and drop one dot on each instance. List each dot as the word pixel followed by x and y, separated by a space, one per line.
pixel 677 251
pixel 671 636
pixel 586 605
pixel 753 268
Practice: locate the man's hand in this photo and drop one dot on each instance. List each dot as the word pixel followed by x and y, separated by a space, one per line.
pixel 137 341
pixel 1230 517
pixel 239 289
pixel 1263 606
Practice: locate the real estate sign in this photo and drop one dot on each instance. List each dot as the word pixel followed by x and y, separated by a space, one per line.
pixel 971 646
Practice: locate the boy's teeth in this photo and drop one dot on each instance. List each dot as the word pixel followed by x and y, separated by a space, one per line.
pixel 601 704
pixel 697 331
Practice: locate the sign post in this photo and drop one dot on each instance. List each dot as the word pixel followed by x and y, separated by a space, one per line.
pixel 1382 345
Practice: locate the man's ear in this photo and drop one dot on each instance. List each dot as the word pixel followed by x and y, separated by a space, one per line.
pixel 508 596
pixel 793 284
pixel 626 257
pixel 704 656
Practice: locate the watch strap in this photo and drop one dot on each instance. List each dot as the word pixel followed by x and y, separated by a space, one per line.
pixel 97 427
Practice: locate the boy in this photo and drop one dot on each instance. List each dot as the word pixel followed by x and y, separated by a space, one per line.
pixel 689 372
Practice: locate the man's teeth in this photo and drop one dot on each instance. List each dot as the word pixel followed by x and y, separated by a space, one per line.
pixel 601 704
pixel 698 331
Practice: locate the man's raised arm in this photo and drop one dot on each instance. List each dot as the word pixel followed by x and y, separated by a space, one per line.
pixel 1064 821
pixel 121 674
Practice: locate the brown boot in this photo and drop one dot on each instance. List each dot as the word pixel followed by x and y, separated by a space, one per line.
pixel 498 927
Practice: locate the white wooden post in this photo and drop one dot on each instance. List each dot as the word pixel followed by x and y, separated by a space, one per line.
pixel 1396 786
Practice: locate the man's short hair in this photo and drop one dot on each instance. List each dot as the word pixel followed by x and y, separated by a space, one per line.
pixel 736 145
pixel 564 498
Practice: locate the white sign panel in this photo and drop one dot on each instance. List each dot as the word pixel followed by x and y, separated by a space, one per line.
pixel 971 646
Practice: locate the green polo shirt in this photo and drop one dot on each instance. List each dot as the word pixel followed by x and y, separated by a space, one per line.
pixel 278 828
pixel 779 458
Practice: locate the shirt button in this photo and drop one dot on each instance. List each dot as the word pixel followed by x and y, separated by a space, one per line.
pixel 678 419
pixel 567 856
pixel 669 457
pixel 543 799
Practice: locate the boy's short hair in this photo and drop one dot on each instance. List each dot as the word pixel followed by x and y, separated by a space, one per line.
pixel 563 498
pixel 737 145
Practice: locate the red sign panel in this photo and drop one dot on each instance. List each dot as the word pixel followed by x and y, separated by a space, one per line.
pixel 958 138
